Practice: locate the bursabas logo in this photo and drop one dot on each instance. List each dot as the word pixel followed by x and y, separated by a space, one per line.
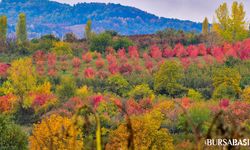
pixel 227 142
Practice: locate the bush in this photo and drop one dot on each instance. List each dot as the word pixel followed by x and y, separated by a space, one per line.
pixel 100 42
pixel 12 137
pixel 118 85
pixel 141 91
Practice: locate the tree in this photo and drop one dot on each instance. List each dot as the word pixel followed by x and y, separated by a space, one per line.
pixel 66 89
pixel 88 30
pixel 122 43
pixel 226 82
pixel 231 27
pixel 21 29
pixel 141 91
pixel 147 134
pixel 118 85
pixel 70 37
pixel 22 77
pixel 62 48
pixel 3 28
pixel 246 94
pixel 56 132
pixel 167 79
pixel 100 42
pixel 205 26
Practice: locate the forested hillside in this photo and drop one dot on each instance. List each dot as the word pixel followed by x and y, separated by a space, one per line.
pixel 45 17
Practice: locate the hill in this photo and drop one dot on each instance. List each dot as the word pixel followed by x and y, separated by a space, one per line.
pixel 44 16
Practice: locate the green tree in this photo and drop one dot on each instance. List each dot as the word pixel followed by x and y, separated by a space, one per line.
pixel 21 29
pixel 118 85
pixel 226 82
pixel 231 27
pixel 100 42
pixel 122 43
pixel 141 91
pixel 224 91
pixel 67 88
pixel 167 79
pixel 194 95
pixel 205 26
pixel 3 28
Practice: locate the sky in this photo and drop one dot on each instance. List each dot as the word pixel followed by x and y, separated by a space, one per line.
pixel 194 10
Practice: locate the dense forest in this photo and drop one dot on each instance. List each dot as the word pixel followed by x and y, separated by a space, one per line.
pixel 169 90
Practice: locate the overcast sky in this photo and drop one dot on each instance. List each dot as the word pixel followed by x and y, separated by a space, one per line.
pixel 194 10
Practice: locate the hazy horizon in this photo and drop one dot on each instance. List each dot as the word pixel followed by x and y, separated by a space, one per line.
pixel 194 10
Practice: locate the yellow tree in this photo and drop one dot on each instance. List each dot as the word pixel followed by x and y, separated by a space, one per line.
pixel 232 27
pixel 56 132
pixel 147 133
pixel 88 29
pixel 3 28
pixel 205 26
pixel 22 77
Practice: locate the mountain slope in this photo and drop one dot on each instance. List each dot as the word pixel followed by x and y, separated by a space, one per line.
pixel 44 16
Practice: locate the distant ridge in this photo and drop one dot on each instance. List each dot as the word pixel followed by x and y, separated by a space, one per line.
pixel 44 17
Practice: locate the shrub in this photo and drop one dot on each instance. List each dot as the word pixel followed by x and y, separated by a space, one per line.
pixel 89 73
pixel 12 137
pixel 87 58
pixel 99 63
pixel 56 132
pixel 141 91
pixel 118 85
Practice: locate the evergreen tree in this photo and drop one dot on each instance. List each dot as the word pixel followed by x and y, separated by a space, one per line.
pixel 21 29
pixel 3 28
pixel 205 26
